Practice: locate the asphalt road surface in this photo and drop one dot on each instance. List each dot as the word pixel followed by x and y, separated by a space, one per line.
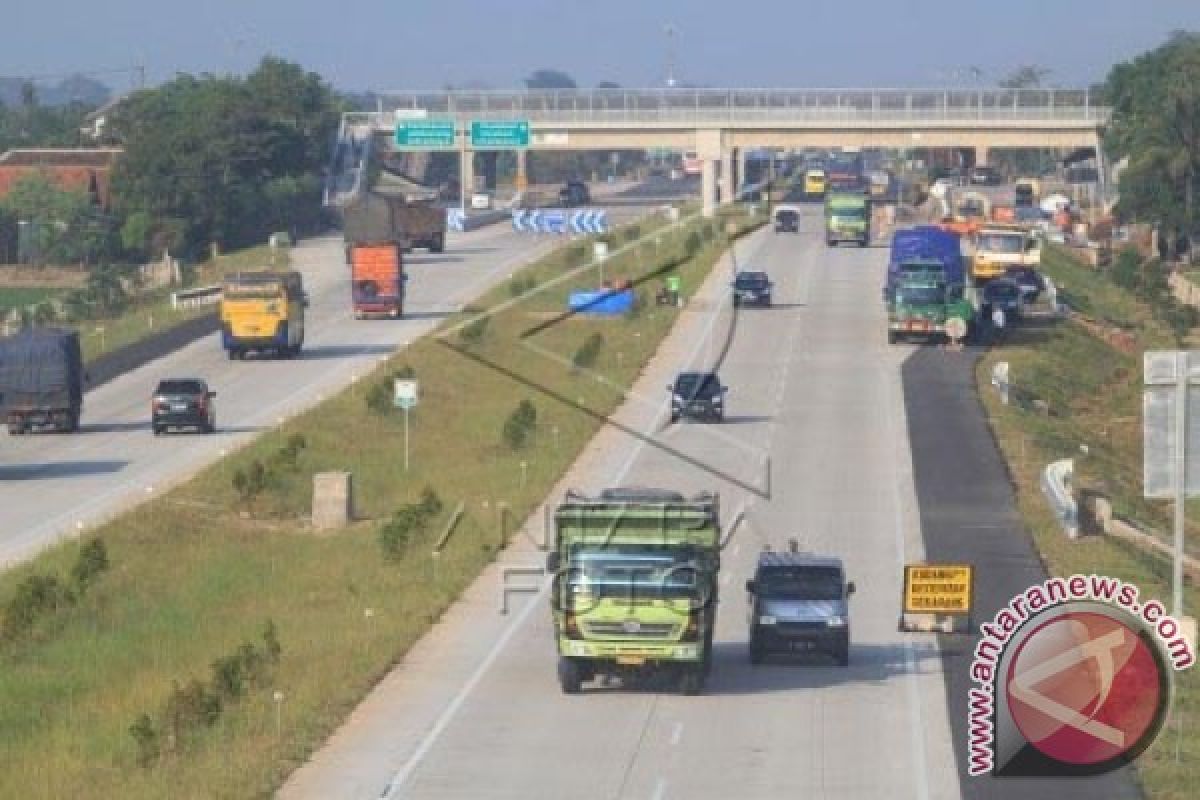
pixel 54 485
pixel 475 711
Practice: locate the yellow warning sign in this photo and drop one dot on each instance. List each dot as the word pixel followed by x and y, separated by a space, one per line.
pixel 937 588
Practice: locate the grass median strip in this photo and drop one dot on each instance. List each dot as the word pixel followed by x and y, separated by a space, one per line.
pixel 1088 373
pixel 129 690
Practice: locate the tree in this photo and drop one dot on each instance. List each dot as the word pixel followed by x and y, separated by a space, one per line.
pixel 1156 124
pixel 61 225
pixel 608 85
pixel 550 79
pixel 1027 76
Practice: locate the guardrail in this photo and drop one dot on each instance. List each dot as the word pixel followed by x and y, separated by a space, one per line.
pixel 194 298
pixel 796 105
pixel 1056 486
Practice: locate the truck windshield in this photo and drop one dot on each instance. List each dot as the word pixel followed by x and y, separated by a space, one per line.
pixel 625 570
pixel 1006 243
pixel 800 583
pixel 266 292
pixel 920 295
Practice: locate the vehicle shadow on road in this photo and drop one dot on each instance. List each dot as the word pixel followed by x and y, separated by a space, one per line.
pixel 745 419
pixel 113 427
pixel 332 351
pixel 63 469
pixel 417 261
pixel 470 251
pixel 439 314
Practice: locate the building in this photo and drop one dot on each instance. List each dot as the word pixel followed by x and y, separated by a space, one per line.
pixel 77 169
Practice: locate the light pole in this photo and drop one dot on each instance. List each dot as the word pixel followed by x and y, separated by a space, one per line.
pixel 671 31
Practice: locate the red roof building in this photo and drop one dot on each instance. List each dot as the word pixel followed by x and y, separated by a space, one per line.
pixel 77 169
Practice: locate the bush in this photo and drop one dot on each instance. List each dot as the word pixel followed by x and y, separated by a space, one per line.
pixel 633 232
pixel 472 333
pixel 251 482
pixel 146 739
pixel 36 596
pixel 271 642
pixel 407 522
pixel 190 707
pixel 380 397
pixel 588 352
pixel 92 560
pixel 522 284
pixel 520 425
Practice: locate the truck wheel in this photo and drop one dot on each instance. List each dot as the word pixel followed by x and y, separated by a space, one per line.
pixel 691 680
pixel 841 652
pixel 158 430
pixel 893 337
pixel 570 677
pixel 15 428
pixel 757 651
pixel 863 243
pixel 830 242
pixel 438 243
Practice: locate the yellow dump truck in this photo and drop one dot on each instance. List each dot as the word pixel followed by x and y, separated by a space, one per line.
pixel 263 312
pixel 998 248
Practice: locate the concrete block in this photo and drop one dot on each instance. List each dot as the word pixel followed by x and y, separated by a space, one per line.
pixel 333 500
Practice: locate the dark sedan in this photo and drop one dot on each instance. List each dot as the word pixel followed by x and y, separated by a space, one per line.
pixel 1003 294
pixel 1029 281
pixel 185 403
pixel 752 288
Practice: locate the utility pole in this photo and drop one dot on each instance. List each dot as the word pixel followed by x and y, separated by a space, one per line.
pixel 671 32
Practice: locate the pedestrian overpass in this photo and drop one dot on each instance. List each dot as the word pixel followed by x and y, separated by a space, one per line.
pixel 720 125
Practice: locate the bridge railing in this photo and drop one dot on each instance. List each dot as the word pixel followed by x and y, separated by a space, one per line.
pixel 717 105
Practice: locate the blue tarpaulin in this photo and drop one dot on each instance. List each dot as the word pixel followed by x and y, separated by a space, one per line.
pixel 608 302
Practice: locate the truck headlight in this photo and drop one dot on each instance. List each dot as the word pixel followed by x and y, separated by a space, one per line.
pixel 766 619
pixel 835 622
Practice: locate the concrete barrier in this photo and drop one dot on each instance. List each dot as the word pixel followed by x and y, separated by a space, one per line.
pixel 1056 486
pixel 194 298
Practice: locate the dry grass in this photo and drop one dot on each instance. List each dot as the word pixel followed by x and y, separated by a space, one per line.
pixel 1094 391
pixel 192 577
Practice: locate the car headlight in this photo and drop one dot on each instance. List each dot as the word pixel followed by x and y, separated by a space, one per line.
pixel 766 619
pixel 835 622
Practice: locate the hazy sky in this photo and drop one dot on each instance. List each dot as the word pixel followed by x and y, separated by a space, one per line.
pixel 378 44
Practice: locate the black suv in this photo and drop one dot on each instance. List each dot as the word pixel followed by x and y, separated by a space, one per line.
pixel 697 395
pixel 787 219
pixel 575 193
pixel 752 287
pixel 183 403
pixel 799 601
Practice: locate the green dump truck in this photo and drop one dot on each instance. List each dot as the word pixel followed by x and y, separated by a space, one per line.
pixel 847 218
pixel 922 302
pixel 635 586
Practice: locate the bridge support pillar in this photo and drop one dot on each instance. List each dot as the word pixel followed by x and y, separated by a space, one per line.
pixel 711 150
pixel 466 176
pixel 739 177
pixel 522 170
pixel 981 155
pixel 708 187
pixel 727 185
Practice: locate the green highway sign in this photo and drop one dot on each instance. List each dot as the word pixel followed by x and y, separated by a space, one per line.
pixel 424 134
pixel 500 135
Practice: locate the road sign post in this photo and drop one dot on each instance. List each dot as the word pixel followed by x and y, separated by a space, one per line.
pixel 405 397
pixel 1171 441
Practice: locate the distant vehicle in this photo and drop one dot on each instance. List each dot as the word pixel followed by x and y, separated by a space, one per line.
pixel 985 176
pixel 692 163
pixel 799 602
pixel 814 184
pixel 1029 281
pixel 787 219
pixel 697 395
pixel 635 586
pixel 1003 294
pixel 378 218
pixel 263 312
pixel 481 201
pixel 575 193
pixel 847 218
pixel 999 247
pixel 752 288
pixel 377 279
pixel 41 380
pixel 1026 193
pixel 183 403
pixel 922 302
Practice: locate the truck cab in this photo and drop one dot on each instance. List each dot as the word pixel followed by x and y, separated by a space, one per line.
pixel 998 248
pixel 799 602
pixel 921 301
pixel 635 585
pixel 847 218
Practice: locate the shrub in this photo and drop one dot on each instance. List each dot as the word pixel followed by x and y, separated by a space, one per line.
pixel 271 642
pixel 407 522
pixel 473 333
pixel 522 284
pixel 92 560
pixel 190 707
pixel 520 425
pixel 146 739
pixel 588 352
pixel 633 232
pixel 251 482
pixel 36 596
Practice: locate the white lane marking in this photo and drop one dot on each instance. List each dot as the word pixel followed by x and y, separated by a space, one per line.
pixel 660 789
pixel 447 716
pixel 910 660
pixel 676 733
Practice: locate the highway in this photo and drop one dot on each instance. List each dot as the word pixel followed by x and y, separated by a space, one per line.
pixel 475 711
pixel 53 485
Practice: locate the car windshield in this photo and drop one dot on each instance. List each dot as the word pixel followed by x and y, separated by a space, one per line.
pixel 750 280
pixel 920 295
pixel 1006 243
pixel 800 583
pixel 695 384
pixel 180 387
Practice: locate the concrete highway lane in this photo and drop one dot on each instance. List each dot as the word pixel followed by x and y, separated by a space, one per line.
pixel 476 710
pixel 50 483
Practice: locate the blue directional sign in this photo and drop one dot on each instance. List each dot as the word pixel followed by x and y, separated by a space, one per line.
pixel 424 134
pixel 499 134
pixel 589 221
pixel 582 221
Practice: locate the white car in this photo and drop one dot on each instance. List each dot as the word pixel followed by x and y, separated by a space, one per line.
pixel 481 201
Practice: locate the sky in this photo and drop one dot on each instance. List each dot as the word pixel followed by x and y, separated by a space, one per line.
pixel 409 44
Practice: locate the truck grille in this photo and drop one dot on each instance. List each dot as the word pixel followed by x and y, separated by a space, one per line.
pixel 622 630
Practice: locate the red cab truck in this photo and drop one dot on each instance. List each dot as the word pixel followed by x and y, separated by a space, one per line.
pixel 377 279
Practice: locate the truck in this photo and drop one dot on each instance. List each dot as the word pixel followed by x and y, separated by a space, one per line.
pixel 999 248
pixel 263 312
pixel 377 279
pixel 41 380
pixel 377 218
pixel 634 590
pixel 847 218
pixel 930 243
pixel 923 301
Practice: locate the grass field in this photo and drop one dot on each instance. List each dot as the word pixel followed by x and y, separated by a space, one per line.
pixel 199 571
pixel 20 296
pixel 1094 393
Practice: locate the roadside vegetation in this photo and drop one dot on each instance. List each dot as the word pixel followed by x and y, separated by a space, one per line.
pixel 1088 373
pixel 160 681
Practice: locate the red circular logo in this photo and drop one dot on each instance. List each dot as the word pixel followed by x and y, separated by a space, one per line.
pixel 1085 688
